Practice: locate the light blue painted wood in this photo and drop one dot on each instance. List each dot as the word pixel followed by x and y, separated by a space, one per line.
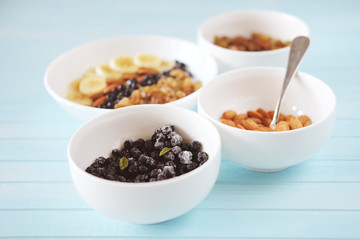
pixel 62 129
pixel 225 223
pixel 318 199
pixel 37 149
pixel 308 171
pixel 248 195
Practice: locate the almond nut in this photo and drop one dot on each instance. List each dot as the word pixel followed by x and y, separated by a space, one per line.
pixel 295 123
pixel 282 126
pixel 254 114
pixel 288 117
pixel 227 122
pixel 303 119
pixel 266 121
pixel 230 114
pixel 263 113
pixel 250 124
pixel 307 123
pixel 99 101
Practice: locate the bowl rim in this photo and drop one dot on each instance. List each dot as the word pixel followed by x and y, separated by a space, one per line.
pixel 138 108
pixel 70 51
pixel 247 53
pixel 261 68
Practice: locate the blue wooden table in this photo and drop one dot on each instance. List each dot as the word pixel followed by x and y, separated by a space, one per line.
pixel 318 199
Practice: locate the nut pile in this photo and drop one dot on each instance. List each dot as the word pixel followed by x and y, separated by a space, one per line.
pixel 257 42
pixel 126 81
pixel 260 120
pixel 165 155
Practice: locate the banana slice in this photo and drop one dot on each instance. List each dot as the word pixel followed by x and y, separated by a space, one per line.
pixel 107 72
pixel 147 61
pixel 75 96
pixel 79 98
pixel 123 64
pixel 91 85
pixel 165 66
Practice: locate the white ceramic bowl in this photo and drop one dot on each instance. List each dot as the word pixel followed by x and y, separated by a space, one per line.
pixel 248 89
pixel 150 202
pixel 277 25
pixel 72 65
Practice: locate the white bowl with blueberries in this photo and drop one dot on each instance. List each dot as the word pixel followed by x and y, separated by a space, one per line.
pixel 248 89
pixel 276 25
pixel 99 76
pixel 145 164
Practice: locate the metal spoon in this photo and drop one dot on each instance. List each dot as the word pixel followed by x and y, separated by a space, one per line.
pixel 297 50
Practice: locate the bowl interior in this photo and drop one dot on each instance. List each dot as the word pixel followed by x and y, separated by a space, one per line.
pixel 277 25
pixel 72 65
pixel 102 134
pixel 248 89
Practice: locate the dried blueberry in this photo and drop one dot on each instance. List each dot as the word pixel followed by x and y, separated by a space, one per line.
pixel 167 129
pixel 159 145
pixel 143 158
pixel 141 178
pixel 150 162
pixel 176 139
pixel 202 156
pixel 95 165
pixel 133 168
pixel 90 169
pixel 101 161
pixel 135 152
pixel 139 143
pixel 185 157
pixel 170 163
pixel 148 145
pixel 191 166
pixel 110 177
pixel 168 144
pixel 169 156
pixel 128 144
pixel 195 145
pixel 120 178
pixel 155 172
pixel 160 137
pixel 169 171
pixel 154 154
pixel 143 169
pixel 161 176
pixel 176 150
pixel 116 153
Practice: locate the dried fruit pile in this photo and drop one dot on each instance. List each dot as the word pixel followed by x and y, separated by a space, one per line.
pixel 164 156
pixel 260 120
pixel 257 42
pixel 126 81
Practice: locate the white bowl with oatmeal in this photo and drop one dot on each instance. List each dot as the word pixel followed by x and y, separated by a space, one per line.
pixel 79 79
pixel 248 89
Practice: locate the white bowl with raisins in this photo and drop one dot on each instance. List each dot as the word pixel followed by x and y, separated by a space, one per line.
pixel 145 164
pixel 129 70
pixel 253 145
pixel 249 38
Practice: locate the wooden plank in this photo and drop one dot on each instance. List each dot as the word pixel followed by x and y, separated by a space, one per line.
pixel 33 149
pixel 37 149
pixel 266 195
pixel 309 171
pixel 61 129
pixel 231 223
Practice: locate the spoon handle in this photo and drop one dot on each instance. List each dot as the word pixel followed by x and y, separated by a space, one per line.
pixel 298 48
